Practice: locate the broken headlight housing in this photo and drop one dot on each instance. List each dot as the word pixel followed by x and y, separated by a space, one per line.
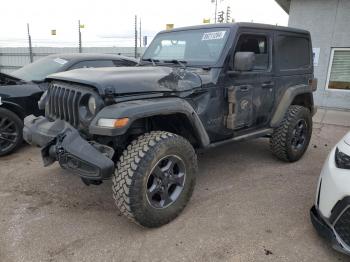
pixel 342 160
pixel 89 105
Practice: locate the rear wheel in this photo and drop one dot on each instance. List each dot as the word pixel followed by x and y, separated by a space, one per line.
pixel 11 128
pixel 291 138
pixel 155 178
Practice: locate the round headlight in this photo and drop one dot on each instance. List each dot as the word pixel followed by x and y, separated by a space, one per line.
pixel 92 105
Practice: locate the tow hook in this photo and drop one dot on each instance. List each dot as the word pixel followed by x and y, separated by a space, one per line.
pixel 89 182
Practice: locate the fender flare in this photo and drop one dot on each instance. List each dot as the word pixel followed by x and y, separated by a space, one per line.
pixel 138 109
pixel 286 101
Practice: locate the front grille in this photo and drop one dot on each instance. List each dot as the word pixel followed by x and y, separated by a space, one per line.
pixel 342 226
pixel 63 101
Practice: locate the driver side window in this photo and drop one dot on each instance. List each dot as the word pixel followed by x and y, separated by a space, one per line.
pixel 257 44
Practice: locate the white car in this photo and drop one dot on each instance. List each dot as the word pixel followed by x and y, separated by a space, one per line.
pixel 331 213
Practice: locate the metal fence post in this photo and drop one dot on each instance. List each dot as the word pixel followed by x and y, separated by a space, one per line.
pixel 140 35
pixel 30 45
pixel 80 47
pixel 135 51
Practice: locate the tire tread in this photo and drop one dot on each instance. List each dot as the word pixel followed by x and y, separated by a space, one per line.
pixel 129 171
pixel 278 141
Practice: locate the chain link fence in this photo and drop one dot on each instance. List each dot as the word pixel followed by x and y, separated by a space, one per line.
pixel 12 58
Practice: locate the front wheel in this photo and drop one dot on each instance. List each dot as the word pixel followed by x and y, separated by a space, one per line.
pixel 155 178
pixel 291 138
pixel 11 127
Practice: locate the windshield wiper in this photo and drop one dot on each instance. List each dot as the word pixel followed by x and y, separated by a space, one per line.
pixel 151 60
pixel 182 63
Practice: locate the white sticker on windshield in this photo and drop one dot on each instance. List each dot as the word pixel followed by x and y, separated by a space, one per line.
pixel 60 61
pixel 213 35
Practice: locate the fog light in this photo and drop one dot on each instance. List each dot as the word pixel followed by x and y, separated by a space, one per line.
pixel 118 123
pixel 342 160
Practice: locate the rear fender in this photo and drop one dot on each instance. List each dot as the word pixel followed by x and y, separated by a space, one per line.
pixel 287 99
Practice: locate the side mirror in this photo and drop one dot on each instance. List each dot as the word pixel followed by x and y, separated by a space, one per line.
pixel 244 61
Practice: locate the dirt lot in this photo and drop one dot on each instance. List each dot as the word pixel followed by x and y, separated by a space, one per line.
pixel 247 206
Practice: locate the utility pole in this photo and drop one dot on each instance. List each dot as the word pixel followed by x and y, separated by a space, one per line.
pixel 135 53
pixel 228 14
pixel 30 45
pixel 80 47
pixel 216 10
pixel 221 16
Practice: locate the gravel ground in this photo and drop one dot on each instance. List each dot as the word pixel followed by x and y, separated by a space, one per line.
pixel 247 206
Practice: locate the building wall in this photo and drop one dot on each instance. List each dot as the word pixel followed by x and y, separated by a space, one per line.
pixel 329 24
pixel 12 58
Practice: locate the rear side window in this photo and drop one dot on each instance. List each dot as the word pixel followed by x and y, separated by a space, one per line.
pixel 293 52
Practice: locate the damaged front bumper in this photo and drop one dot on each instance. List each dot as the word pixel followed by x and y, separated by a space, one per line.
pixel 61 142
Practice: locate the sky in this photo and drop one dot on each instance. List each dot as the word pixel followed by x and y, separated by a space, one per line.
pixel 111 22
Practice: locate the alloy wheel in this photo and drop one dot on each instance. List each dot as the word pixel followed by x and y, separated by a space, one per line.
pixel 299 135
pixel 9 133
pixel 166 181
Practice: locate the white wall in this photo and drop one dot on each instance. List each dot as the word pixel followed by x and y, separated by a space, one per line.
pixel 329 24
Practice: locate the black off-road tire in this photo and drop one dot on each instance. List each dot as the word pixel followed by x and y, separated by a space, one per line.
pixel 281 139
pixel 134 169
pixel 7 116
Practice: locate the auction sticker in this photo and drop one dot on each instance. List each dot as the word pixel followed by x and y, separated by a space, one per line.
pixel 213 35
pixel 60 61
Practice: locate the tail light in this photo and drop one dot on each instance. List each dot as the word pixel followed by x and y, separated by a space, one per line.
pixel 313 84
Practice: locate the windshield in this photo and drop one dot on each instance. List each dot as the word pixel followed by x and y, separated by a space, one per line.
pixel 195 47
pixel 40 69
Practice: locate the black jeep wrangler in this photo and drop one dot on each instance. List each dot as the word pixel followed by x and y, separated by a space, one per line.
pixel 194 88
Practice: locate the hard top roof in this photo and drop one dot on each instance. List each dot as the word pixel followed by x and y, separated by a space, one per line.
pixel 240 25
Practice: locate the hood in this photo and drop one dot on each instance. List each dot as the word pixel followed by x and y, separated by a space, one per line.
pixel 19 90
pixel 6 79
pixel 141 79
pixel 11 87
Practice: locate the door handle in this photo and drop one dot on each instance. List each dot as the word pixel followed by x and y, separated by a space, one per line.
pixel 267 84
pixel 244 88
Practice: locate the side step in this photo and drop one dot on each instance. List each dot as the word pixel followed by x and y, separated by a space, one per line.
pixel 256 134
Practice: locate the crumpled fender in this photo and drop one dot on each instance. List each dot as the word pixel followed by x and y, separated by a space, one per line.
pixel 138 109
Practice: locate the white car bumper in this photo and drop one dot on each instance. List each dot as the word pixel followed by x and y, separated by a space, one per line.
pixel 335 183
pixel 331 213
